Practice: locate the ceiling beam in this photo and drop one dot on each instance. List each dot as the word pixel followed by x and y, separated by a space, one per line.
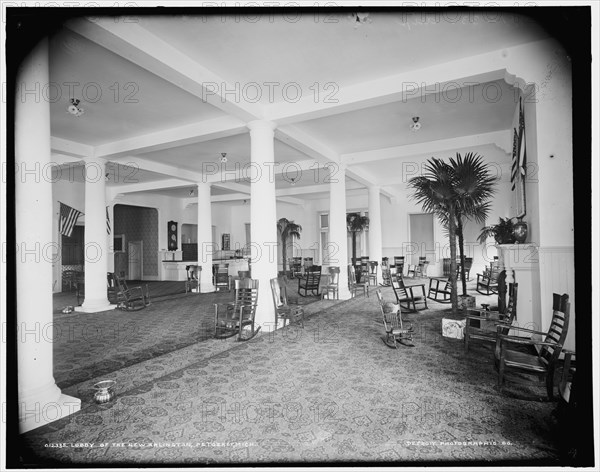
pixel 164 169
pixel 70 148
pixel 168 138
pixel 502 139
pixel 140 46
pixel 439 78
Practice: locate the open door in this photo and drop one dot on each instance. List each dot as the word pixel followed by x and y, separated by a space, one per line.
pixel 135 251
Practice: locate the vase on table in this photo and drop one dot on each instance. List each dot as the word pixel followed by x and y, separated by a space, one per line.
pixel 520 231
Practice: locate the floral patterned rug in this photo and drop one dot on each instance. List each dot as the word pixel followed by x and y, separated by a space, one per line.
pixel 330 393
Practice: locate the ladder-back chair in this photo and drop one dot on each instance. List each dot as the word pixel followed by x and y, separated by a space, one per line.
pixel 520 367
pixel 353 285
pixel 237 317
pixel 192 283
pixel 283 309
pixel 332 289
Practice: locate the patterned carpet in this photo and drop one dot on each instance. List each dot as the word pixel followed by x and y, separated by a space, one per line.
pixel 328 393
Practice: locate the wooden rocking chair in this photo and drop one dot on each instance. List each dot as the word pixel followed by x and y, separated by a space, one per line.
pixel 520 367
pixel 396 330
pixel 237 317
pixel 131 298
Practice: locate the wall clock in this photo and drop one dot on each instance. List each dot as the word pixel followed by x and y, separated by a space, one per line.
pixel 172 235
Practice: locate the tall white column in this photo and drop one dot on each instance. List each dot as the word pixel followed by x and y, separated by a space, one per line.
pixel 263 217
pixel 205 242
pixel 375 240
pixel 40 400
pixel 338 233
pixel 95 247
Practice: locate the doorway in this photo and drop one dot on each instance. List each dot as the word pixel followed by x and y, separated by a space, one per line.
pixel 421 237
pixel 136 259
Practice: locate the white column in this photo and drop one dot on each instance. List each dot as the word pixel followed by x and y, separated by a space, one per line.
pixel 95 247
pixel 338 233
pixel 205 242
pixel 263 217
pixel 40 400
pixel 375 240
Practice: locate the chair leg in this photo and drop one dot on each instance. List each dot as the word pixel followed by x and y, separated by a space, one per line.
pixel 550 384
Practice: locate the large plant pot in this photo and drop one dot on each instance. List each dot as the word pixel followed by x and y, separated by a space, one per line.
pixel 520 231
pixel 466 302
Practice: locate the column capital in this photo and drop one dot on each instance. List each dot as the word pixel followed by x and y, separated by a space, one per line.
pixel 261 125
pixel 94 160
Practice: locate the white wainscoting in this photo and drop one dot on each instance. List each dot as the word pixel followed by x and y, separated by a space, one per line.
pixel 557 275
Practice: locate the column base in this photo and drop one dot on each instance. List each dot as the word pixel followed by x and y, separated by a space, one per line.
pixel 207 288
pixel 48 413
pixel 95 306
pixel 344 293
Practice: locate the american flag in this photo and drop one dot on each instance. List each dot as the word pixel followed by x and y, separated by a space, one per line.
pixel 107 221
pixel 519 155
pixel 67 220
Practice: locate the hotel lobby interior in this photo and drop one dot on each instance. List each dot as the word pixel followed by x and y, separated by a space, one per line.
pixel 178 139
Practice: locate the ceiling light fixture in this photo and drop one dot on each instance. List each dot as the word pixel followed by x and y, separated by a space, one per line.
pixel 415 126
pixel 223 157
pixel 359 18
pixel 74 108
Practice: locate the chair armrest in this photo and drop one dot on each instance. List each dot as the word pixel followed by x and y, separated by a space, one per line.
pixel 531 342
pixel 532 331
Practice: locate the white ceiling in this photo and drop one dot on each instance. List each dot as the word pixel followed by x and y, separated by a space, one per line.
pixel 143 87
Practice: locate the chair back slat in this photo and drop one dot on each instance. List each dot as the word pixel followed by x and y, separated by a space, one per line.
pixel 559 327
pixel 399 288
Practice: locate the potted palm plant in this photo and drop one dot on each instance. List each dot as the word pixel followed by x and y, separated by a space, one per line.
pixel 356 223
pixel 453 191
pixel 286 230
pixel 476 188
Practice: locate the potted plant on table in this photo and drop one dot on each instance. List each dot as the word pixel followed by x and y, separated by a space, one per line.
pixel 502 232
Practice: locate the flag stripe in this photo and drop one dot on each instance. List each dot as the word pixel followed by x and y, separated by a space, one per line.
pixel 107 221
pixel 67 220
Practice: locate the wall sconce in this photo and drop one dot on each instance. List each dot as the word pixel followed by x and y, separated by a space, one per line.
pixel 223 157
